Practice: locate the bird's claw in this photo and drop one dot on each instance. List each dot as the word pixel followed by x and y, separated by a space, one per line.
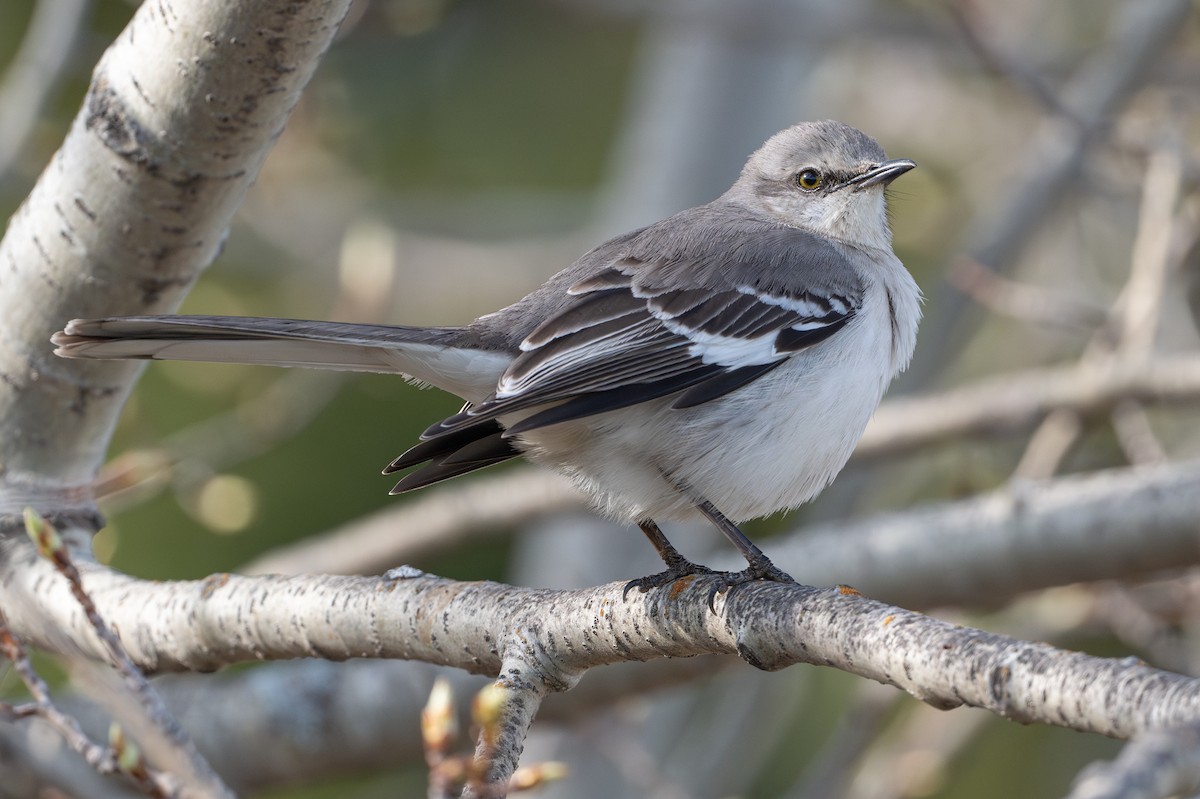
pixel 730 582
pixel 723 583
pixel 676 571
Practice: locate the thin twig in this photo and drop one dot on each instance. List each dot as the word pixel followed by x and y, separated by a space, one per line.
pixel 177 748
pixel 1140 304
pixel 1018 401
pixel 103 759
pixel 1135 435
pixel 1049 445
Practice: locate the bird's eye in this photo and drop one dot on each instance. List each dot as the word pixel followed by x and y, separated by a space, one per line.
pixel 809 180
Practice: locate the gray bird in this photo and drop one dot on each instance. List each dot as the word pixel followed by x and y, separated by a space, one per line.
pixel 722 362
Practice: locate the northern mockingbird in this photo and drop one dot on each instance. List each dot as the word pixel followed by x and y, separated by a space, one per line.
pixel 728 357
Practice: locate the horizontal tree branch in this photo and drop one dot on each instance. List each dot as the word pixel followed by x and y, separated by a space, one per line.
pixel 1005 403
pixel 1028 535
pixel 205 624
pixel 979 551
pixel 435 521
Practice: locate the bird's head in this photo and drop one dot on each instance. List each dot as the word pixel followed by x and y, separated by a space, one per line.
pixel 825 177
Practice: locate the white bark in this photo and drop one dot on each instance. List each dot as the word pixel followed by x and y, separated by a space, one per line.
pixel 478 627
pixel 182 110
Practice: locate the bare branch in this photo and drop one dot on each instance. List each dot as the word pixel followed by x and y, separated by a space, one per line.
pixel 1029 535
pixel 1140 303
pixel 160 734
pixel 1135 435
pixel 1015 402
pixel 35 72
pixel 449 517
pixel 102 759
pixel 437 521
pixel 1049 445
pixel 1155 765
pixel 561 633
pixel 504 713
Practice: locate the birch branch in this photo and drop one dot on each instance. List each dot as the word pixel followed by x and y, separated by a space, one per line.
pixel 454 515
pixel 180 115
pixel 201 625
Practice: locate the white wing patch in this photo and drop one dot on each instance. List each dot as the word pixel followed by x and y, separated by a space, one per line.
pixel 581 357
pixel 801 305
pixel 730 351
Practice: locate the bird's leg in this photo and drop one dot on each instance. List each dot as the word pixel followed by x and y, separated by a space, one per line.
pixel 760 566
pixel 677 565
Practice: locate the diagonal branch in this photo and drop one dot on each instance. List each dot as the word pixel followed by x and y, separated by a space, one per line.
pixel 182 110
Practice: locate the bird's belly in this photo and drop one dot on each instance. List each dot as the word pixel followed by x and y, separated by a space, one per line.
pixel 769 446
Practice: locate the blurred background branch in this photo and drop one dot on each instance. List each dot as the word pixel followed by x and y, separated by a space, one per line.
pixel 35 73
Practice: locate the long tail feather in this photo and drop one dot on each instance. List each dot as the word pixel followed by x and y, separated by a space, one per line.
pixel 445 357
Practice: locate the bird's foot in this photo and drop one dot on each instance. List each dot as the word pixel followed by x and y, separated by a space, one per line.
pixel 723 583
pixel 677 569
pixel 759 569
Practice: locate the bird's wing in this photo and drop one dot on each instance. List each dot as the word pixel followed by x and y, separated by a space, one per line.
pixel 640 329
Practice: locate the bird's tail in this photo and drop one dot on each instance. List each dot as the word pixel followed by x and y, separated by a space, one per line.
pixel 446 357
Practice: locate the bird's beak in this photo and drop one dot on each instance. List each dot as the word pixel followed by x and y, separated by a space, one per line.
pixel 879 174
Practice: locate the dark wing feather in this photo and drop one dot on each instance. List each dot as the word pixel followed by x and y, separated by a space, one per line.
pixel 613 399
pixel 451 455
pixel 436 472
pixel 443 446
pixel 722 384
